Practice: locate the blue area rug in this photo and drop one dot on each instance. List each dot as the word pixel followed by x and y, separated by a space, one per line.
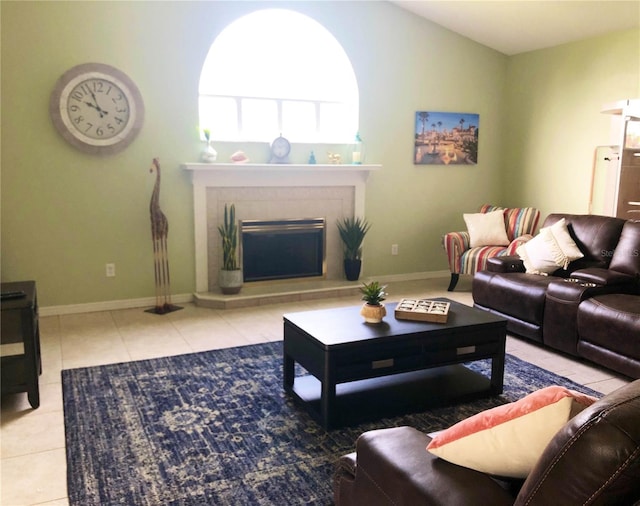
pixel 217 428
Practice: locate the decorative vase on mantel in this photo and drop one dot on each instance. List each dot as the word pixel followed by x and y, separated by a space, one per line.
pixel 209 155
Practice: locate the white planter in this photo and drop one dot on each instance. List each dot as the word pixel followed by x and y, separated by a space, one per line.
pixel 230 282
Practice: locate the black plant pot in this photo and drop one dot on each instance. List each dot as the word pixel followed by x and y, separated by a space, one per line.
pixel 352 269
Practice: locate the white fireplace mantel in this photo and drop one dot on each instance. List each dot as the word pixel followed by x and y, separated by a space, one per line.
pixel 204 175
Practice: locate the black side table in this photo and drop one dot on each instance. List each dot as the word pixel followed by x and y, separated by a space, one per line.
pixel 19 324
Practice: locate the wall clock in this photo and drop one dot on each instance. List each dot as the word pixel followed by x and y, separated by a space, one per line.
pixel 280 149
pixel 97 108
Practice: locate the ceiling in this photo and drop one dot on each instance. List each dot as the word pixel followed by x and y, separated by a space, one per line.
pixel 518 26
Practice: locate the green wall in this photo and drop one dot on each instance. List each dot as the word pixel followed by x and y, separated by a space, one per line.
pixel 554 120
pixel 65 214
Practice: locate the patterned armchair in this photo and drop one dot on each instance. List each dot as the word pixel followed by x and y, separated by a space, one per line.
pixel 520 223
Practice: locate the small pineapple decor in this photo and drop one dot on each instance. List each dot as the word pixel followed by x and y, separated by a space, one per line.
pixel 231 278
pixel 373 311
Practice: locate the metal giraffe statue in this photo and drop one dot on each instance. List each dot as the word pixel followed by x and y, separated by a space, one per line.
pixel 159 232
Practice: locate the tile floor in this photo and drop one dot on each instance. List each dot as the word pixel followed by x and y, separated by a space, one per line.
pixel 32 445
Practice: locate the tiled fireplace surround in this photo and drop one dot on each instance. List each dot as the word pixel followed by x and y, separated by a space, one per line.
pixel 264 191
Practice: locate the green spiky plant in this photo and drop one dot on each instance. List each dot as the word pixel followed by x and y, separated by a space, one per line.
pixel 229 233
pixel 373 293
pixel 352 232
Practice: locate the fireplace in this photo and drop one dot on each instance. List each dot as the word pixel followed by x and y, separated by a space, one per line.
pixel 269 192
pixel 283 249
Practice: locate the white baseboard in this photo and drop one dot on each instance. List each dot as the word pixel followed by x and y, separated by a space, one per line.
pixel 112 305
pixel 412 276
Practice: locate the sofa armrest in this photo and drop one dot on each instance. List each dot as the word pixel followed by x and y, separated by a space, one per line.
pixel 454 244
pixel 606 277
pixel 594 458
pixel 393 467
pixel 343 477
pixel 517 242
pixel 505 263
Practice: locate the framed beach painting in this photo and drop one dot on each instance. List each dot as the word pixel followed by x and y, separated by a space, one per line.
pixel 446 138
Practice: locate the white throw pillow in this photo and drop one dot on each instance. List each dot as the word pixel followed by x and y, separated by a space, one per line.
pixel 541 255
pixel 552 248
pixel 486 229
pixel 561 235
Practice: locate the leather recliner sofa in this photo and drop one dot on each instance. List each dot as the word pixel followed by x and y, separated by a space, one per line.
pixel 589 310
pixel 594 459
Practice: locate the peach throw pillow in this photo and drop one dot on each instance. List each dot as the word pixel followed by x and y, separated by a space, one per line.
pixel 508 440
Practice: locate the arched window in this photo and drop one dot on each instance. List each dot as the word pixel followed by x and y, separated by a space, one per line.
pixel 274 72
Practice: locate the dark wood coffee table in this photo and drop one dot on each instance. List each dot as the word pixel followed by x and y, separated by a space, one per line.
pixel 360 371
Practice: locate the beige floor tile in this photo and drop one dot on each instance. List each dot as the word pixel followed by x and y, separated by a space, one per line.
pixel 59 502
pixel 32 432
pixel 557 363
pixel 49 324
pixel 50 400
pixel 86 323
pixel 197 321
pixel 257 331
pixel 33 479
pixel 132 320
pixel 51 364
pixel 155 343
pixel 201 335
pixel 208 341
pixel 94 350
pixel 606 386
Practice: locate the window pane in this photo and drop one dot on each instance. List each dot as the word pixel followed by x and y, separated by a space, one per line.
pixel 259 120
pixel 299 120
pixel 337 123
pixel 220 115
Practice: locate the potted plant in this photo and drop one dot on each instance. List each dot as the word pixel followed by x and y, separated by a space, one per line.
pixel 352 232
pixel 373 309
pixel 230 279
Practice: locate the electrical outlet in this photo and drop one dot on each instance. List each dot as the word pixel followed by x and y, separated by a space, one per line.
pixel 110 270
pixel 394 249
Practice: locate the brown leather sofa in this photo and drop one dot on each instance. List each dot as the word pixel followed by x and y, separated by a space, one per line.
pixel 590 310
pixel 594 459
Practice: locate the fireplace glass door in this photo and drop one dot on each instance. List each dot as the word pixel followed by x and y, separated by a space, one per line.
pixel 283 249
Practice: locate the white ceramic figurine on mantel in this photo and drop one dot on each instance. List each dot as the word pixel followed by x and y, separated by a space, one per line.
pixel 209 155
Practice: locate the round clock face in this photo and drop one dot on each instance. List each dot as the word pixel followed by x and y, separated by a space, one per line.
pixel 280 147
pixel 97 108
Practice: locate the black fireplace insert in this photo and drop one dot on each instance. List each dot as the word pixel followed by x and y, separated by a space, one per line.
pixel 283 249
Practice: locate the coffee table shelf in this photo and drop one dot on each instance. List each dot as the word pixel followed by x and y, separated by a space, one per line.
pixel 366 400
